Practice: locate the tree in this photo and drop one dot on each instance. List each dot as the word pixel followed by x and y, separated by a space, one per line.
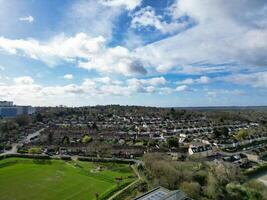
pixel 23 120
pixel 35 150
pixel 86 139
pixel 192 189
pixel 96 195
pixel 39 117
pixel 237 191
pixel 242 134
pixel 219 132
pixel 219 176
pixel 162 170
pixel 173 142
pixel 172 113
pixel 66 140
pixel 200 177
pixel 213 189
pixel 118 181
pixel 152 143
pixel 143 187
pixel 50 137
pixel 257 186
pixel 8 126
pixel 94 126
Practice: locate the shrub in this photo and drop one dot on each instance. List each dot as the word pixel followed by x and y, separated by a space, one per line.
pixel 35 150
pixel 192 189
pixel 86 139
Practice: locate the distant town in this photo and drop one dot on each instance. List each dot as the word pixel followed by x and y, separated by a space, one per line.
pixel 235 139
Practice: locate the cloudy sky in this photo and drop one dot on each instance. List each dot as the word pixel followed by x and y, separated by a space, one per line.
pixel 141 52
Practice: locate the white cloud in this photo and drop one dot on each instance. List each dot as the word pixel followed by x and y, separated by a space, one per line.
pixel 52 52
pixel 166 90
pixel 118 59
pixel 24 80
pixel 133 40
pixel 146 85
pixel 129 4
pixel 29 19
pixel 201 80
pixel 68 76
pixel 107 80
pixel 258 79
pixel 24 89
pixel 156 81
pixel 187 81
pixel 91 53
pixel 95 17
pixel 220 35
pixel 146 17
pixel 2 68
pixel 182 88
pixel 215 93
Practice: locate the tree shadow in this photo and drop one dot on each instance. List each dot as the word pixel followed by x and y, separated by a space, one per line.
pixel 42 161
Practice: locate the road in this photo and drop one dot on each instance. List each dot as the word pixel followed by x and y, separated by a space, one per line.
pixel 263 179
pixel 13 150
pixel 32 135
pixel 27 139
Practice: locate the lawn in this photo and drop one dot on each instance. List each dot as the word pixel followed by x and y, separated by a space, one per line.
pixel 24 179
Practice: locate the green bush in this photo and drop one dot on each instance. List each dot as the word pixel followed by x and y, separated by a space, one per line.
pixel 35 150
pixel 94 159
pixel 192 189
pixel 256 170
pixel 86 139
pixel 236 191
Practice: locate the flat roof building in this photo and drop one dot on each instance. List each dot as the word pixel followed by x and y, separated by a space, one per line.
pixel 161 193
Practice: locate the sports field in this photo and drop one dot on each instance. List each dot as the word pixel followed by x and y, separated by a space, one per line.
pixel 28 179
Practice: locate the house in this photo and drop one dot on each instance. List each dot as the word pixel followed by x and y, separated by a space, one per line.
pixel 200 150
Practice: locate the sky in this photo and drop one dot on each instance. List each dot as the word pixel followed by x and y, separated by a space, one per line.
pixel 168 53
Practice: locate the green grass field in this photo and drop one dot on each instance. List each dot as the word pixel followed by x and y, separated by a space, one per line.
pixel 28 179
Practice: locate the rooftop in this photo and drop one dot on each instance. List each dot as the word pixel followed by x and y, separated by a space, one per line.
pixel 161 193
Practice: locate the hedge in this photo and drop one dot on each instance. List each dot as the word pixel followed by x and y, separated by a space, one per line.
pixel 116 160
pixel 89 159
pixel 255 171
pixel 67 158
pixel 24 156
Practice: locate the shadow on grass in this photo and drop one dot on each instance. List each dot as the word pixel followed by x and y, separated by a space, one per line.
pixel 42 161
pixel 8 164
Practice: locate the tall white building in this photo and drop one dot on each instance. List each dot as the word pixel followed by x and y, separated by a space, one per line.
pixel 9 110
pixel 6 103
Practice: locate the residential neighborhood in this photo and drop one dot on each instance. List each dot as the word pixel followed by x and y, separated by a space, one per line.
pixel 133 100
pixel 120 133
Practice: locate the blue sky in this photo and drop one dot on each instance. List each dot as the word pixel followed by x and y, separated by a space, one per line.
pixel 141 52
